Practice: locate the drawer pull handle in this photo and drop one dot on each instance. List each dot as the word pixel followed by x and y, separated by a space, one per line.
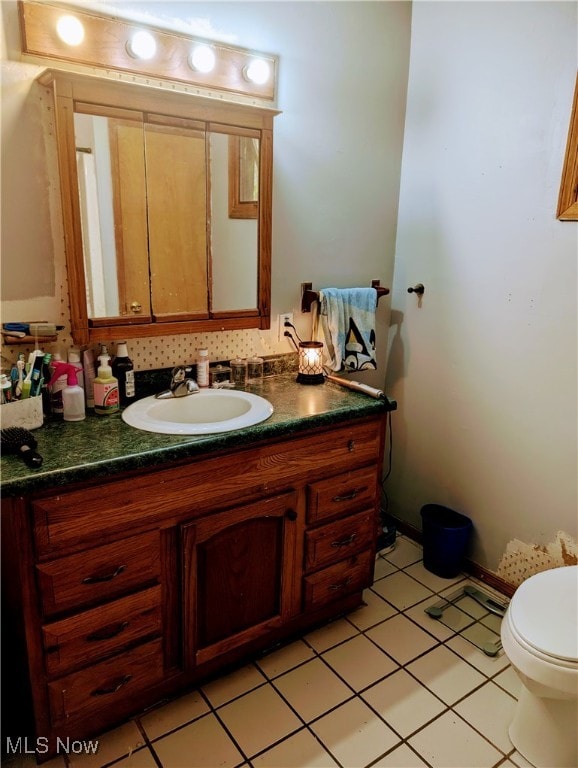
pixel 351 445
pixel 104 577
pixel 341 585
pixel 107 633
pixel 114 687
pixel 347 496
pixel 291 515
pixel 344 542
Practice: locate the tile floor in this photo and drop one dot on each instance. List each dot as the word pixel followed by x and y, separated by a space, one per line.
pixel 386 686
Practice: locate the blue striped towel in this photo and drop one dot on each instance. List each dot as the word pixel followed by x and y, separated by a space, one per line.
pixel 348 323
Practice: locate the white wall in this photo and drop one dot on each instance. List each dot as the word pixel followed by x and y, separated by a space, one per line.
pixel 485 370
pixel 337 156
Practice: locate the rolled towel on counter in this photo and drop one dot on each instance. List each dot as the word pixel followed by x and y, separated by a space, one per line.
pixel 358 386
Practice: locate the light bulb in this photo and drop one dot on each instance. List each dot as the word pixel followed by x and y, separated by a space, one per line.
pixel 142 45
pixel 70 30
pixel 202 58
pixel 257 72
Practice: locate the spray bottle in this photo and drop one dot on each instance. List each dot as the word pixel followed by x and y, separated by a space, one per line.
pixel 72 394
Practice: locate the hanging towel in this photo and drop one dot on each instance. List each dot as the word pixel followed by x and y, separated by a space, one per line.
pixel 348 323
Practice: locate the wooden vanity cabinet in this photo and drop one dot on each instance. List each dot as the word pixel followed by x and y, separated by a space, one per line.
pixel 130 590
pixel 237 576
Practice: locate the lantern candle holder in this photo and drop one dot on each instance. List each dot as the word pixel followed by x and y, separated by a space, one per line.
pixel 310 362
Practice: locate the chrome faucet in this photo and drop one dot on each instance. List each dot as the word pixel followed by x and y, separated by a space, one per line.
pixel 180 386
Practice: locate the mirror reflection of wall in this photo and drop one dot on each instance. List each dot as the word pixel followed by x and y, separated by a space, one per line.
pixel 112 196
pixel 233 241
pixel 95 189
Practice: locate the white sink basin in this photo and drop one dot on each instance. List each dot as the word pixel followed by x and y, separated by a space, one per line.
pixel 202 413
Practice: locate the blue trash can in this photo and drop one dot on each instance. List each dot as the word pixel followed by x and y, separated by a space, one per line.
pixel 446 535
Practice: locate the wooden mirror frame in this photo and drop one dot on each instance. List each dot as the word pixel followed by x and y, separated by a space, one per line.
pixel 68 88
pixel 568 199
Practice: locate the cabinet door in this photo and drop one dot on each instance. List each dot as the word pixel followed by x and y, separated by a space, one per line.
pixel 238 567
pixel 177 205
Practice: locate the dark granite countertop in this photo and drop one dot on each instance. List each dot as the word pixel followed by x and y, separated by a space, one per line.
pixel 101 446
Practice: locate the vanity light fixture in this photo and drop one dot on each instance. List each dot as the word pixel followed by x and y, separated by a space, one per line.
pixel 310 362
pixel 257 72
pixel 202 59
pixel 142 45
pixel 70 30
pixel 121 46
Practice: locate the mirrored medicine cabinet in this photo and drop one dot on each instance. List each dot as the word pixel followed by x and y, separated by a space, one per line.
pixel 166 200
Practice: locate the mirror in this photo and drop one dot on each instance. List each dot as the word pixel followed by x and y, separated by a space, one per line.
pixel 113 214
pixel 167 209
pixel 124 189
pixel 234 240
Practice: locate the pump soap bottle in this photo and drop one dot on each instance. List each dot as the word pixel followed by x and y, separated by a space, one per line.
pixel 123 369
pixel 105 388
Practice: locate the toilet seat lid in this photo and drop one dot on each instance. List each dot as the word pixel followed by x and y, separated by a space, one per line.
pixel 544 612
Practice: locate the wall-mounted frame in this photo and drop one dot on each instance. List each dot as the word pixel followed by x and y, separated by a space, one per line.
pixel 568 198
pixel 243 177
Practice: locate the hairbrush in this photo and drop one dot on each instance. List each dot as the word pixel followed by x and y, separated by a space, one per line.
pixel 21 442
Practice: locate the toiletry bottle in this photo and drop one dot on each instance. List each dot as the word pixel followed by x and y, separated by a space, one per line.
pixel 56 385
pixel 72 394
pixel 123 369
pixel 44 389
pixel 89 376
pixel 36 374
pixel 5 389
pixel 105 389
pixel 203 368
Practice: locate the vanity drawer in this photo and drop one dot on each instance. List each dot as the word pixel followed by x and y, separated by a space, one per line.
pixel 70 520
pixel 99 574
pixel 334 541
pixel 347 492
pixel 105 685
pixel 338 580
pixel 100 632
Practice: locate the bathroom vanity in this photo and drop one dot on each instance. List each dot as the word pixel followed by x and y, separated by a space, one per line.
pixel 137 564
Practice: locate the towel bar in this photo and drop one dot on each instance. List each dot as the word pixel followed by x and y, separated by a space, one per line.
pixel 308 296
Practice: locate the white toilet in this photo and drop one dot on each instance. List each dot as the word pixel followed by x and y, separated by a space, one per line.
pixel 540 638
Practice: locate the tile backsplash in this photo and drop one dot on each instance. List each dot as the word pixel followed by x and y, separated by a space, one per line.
pixel 151 353
pixel 165 351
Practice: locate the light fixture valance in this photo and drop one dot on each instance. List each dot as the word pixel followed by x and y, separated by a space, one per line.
pixel 87 38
